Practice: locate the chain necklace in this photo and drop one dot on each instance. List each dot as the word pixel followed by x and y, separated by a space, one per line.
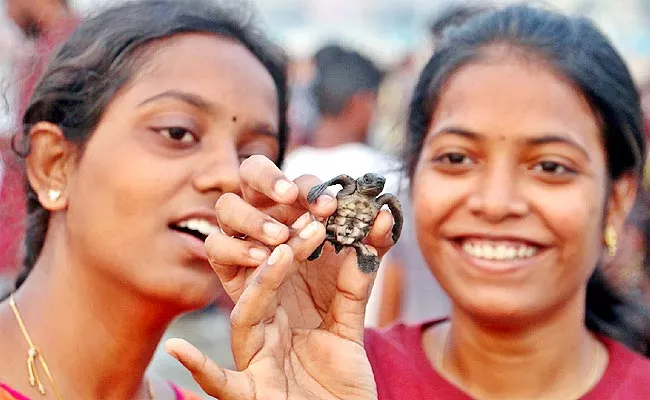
pixel 33 353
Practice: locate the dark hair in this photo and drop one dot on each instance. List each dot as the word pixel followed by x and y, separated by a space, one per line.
pixel 104 54
pixel 340 74
pixel 578 50
pixel 451 16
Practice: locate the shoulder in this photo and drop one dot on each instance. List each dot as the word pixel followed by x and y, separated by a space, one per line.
pixel 627 375
pixel 398 340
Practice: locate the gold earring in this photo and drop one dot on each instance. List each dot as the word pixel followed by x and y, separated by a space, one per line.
pixel 610 240
pixel 53 195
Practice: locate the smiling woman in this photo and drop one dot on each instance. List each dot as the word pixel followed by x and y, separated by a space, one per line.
pixel 129 140
pixel 526 149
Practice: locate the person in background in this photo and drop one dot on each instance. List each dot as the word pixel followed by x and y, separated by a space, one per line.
pixel 44 24
pixel 136 128
pixel 345 93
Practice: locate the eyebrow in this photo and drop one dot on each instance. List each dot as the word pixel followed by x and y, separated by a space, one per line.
pixel 189 98
pixel 538 140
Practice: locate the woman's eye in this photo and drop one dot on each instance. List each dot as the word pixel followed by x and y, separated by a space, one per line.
pixel 178 134
pixel 552 168
pixel 454 158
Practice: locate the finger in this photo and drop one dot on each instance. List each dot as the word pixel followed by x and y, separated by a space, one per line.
pixel 262 180
pixel 324 206
pixel 232 260
pixel 348 309
pixel 236 215
pixel 307 235
pixel 257 305
pixel 214 380
pixel 380 236
pixel 226 250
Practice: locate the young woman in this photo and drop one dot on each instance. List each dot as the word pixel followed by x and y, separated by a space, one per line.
pixel 526 151
pixel 137 126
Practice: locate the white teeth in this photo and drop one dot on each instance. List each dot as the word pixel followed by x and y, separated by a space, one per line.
pixel 200 225
pixel 501 252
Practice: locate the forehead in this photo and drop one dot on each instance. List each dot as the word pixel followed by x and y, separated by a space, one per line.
pixel 511 96
pixel 219 69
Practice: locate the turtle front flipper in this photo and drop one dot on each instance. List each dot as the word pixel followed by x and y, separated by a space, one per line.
pixel 395 208
pixel 316 191
pixel 316 252
pixel 366 260
pixel 343 180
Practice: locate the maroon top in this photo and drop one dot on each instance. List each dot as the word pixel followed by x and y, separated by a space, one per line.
pixel 403 371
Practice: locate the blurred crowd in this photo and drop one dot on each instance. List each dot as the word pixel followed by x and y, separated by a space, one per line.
pixel 346 116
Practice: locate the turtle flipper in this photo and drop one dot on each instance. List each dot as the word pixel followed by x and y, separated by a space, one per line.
pixel 316 191
pixel 395 208
pixel 366 261
pixel 316 252
pixel 343 180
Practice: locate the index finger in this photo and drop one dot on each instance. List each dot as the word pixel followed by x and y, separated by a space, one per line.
pixel 263 183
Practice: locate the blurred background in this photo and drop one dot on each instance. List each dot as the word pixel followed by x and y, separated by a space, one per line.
pixel 388 30
pixel 342 49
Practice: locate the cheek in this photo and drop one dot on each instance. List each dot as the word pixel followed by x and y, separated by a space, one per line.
pixel 574 215
pixel 119 188
pixel 433 206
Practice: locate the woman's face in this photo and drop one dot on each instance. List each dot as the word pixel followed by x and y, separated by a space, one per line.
pixel 141 198
pixel 509 190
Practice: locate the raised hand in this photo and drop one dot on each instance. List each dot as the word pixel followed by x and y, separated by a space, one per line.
pixel 297 326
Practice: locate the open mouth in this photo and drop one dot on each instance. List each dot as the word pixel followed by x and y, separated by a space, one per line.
pixel 197 227
pixel 506 250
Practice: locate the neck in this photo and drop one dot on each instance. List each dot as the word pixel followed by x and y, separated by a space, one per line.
pixel 333 131
pixel 490 362
pixel 96 337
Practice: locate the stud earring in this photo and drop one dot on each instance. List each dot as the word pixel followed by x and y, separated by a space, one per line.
pixel 53 195
pixel 610 240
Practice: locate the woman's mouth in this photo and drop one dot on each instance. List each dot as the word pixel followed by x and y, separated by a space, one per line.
pixel 198 227
pixel 498 254
pixel 498 250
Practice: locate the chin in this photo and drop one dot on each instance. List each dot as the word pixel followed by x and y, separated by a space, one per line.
pixel 505 309
pixel 185 290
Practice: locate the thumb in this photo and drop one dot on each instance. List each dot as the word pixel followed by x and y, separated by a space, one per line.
pixel 214 380
pixel 346 314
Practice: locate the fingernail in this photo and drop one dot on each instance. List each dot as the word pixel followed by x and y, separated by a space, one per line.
pixel 282 187
pixel 257 254
pixel 275 256
pixel 271 230
pixel 302 221
pixel 324 199
pixel 309 231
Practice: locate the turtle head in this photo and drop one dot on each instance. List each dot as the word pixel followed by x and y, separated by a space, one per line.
pixel 370 184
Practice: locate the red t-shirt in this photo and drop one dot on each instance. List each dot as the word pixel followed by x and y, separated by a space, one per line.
pixel 403 371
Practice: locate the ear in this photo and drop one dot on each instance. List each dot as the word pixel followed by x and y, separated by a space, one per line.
pixel 622 197
pixel 49 165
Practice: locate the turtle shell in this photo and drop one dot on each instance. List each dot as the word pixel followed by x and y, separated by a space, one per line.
pixel 353 218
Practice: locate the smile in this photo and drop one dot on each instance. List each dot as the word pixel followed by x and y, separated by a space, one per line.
pixel 197 227
pixel 498 250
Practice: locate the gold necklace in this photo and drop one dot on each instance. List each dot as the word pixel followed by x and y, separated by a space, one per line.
pixel 33 353
pixel 593 374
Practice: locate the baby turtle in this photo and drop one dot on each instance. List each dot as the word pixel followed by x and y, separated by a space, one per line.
pixel 358 206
